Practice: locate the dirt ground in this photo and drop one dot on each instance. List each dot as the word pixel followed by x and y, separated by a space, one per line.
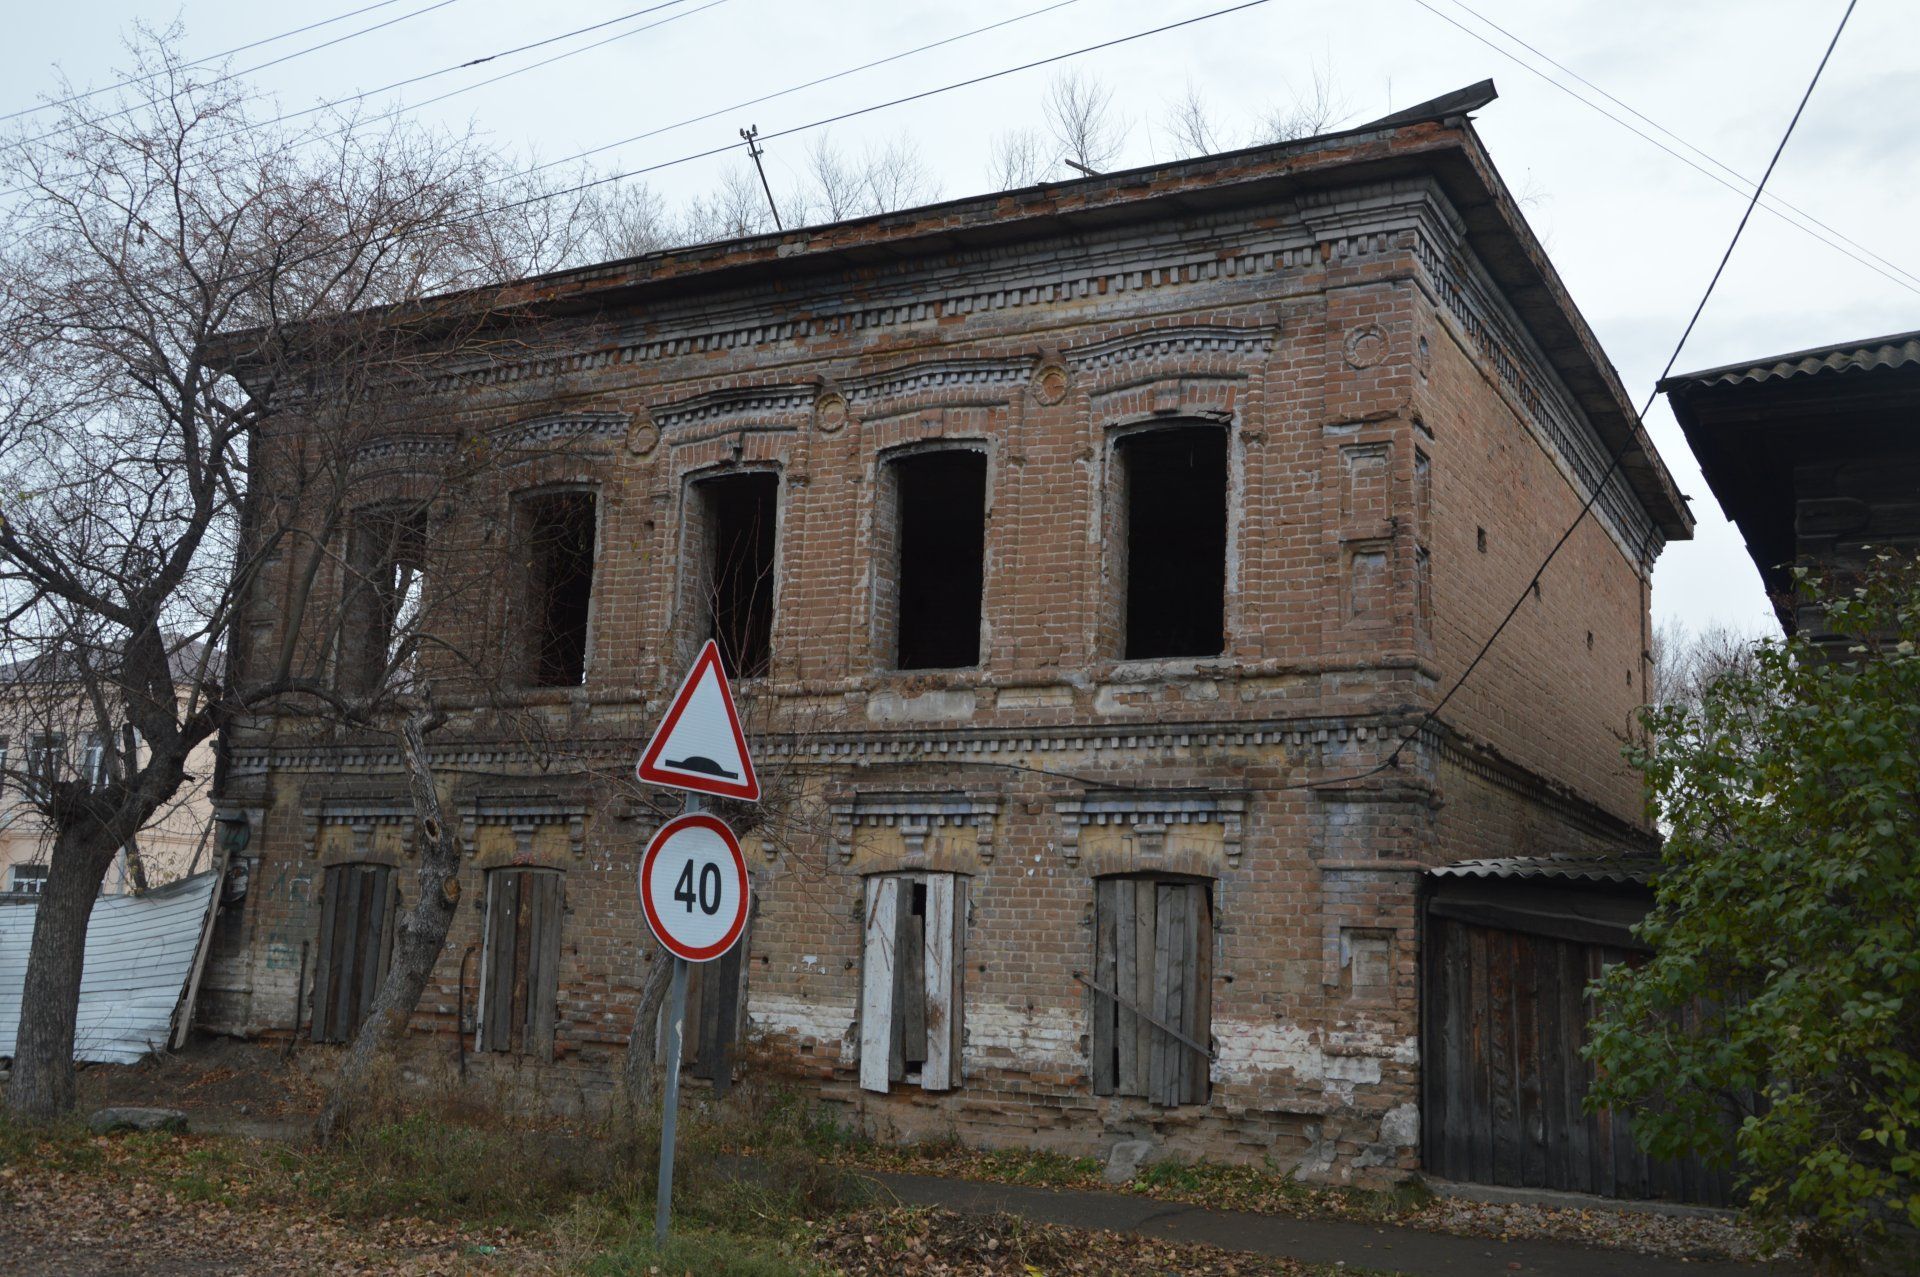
pixel 213 1078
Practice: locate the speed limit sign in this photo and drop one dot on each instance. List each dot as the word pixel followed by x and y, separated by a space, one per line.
pixel 693 887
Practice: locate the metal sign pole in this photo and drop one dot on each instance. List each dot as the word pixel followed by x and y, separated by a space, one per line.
pixel 670 1091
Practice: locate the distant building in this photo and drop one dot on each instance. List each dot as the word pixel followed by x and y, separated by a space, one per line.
pixel 1084 554
pixel 1814 455
pixel 48 730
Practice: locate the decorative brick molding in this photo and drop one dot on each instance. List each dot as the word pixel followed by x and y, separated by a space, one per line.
pixel 525 816
pixel 600 428
pixel 1148 816
pixel 365 817
pixel 1183 343
pixel 915 815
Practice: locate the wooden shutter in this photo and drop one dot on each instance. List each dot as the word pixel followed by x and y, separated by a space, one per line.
pixel 945 963
pixel 876 982
pixel 519 980
pixel 1153 945
pixel 716 996
pixel 357 905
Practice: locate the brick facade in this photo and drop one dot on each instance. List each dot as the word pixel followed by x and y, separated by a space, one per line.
pixel 1402 450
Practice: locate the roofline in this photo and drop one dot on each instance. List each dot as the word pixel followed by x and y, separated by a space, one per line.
pixel 1434 139
pixel 1680 379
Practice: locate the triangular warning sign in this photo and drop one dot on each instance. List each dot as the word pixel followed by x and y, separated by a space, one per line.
pixel 699 744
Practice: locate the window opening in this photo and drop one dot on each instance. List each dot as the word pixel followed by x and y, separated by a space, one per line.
pixel 940 569
pixel 27 880
pixel 1175 503
pixel 385 554
pixel 358 904
pixel 910 1004
pixel 739 521
pixel 520 962
pixel 559 529
pixel 1151 991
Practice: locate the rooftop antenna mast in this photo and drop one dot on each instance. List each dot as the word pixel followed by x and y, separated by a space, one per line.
pixel 749 136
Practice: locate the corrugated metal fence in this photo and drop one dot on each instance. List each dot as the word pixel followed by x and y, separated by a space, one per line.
pixel 139 952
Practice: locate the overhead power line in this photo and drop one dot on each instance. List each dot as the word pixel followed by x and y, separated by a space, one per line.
pixel 1738 189
pixel 869 110
pixel 494 57
pixel 198 62
pixel 796 88
pixel 1771 199
pixel 273 62
pixel 1619 455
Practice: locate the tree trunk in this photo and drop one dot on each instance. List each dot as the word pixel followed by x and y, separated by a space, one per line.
pixel 419 937
pixel 637 1076
pixel 42 1086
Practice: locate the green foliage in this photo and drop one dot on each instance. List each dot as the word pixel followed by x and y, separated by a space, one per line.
pixel 1787 925
pixel 710 1254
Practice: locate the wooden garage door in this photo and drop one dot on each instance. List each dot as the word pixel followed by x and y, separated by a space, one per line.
pixel 1504 1083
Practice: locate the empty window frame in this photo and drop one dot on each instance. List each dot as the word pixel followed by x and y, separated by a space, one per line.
pixel 735 521
pixel 1152 997
pixel 910 985
pixel 386 552
pixel 557 533
pixel 940 533
pixel 27 880
pixel 520 961
pixel 1173 525
pixel 358 904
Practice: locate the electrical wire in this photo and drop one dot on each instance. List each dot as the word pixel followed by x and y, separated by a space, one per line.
pixel 1656 142
pixel 286 57
pixel 1619 454
pixel 197 62
pixel 1772 199
pixel 491 57
pixel 878 106
pixel 808 84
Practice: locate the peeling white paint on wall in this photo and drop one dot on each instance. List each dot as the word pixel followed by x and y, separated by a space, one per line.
pixel 1338 1061
pixel 825 1020
pixel 1002 1036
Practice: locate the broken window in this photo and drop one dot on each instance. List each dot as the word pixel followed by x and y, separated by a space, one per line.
pixel 557 536
pixel 1173 486
pixel 520 961
pixel 910 1023
pixel 385 554
pixel 27 880
pixel 735 519
pixel 940 503
pixel 358 904
pixel 1152 988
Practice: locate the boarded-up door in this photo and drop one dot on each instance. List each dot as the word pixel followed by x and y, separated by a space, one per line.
pixel 357 907
pixel 1151 994
pixel 1504 1081
pixel 521 961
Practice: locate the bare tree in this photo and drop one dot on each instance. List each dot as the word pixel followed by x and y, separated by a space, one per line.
pixel 896 176
pixel 736 208
pixel 182 283
pixel 1018 158
pixel 1687 661
pixel 1190 127
pixel 1319 108
pixel 626 219
pixel 1080 114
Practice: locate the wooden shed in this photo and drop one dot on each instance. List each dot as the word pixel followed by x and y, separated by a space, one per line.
pixel 1509 948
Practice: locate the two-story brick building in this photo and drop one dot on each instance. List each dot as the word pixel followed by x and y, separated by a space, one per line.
pixel 1081 553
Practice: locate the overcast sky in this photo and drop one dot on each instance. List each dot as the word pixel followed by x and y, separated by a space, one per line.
pixel 1634 232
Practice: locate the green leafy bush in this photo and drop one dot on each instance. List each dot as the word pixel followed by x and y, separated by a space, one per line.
pixel 1785 986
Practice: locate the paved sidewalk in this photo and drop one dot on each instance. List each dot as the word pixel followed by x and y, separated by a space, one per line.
pixel 1375 1246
